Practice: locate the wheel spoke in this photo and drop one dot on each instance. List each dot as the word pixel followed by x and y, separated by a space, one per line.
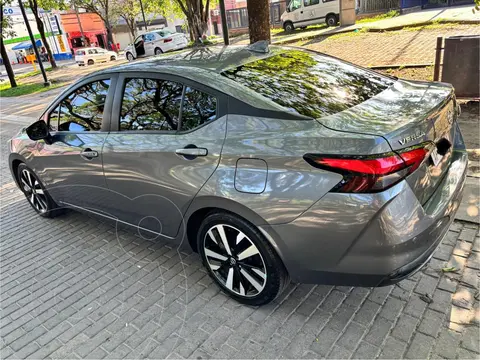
pixel 32 198
pixel 215 255
pixel 242 290
pixel 30 181
pixel 42 203
pixel 212 236
pixel 229 283
pixel 251 280
pixel 240 237
pixel 214 267
pixel 39 191
pixel 250 251
pixel 25 183
pixel 223 236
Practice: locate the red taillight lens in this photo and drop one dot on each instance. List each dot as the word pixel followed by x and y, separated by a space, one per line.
pixel 167 40
pixel 364 174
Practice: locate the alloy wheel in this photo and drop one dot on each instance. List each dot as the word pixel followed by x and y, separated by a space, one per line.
pixel 34 192
pixel 235 260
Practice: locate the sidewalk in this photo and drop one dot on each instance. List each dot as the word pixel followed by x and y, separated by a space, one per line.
pixel 457 14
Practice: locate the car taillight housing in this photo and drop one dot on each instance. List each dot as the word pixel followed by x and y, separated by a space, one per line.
pixel 167 40
pixel 372 173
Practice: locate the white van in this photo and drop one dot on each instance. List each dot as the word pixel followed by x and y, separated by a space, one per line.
pixel 301 13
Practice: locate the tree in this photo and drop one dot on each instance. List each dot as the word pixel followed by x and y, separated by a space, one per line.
pixel 35 5
pixel 6 31
pixel 195 11
pixel 108 10
pixel 258 20
pixel 130 10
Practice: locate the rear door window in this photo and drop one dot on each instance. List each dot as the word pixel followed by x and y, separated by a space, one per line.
pixel 151 104
pixel 309 84
pixel 198 108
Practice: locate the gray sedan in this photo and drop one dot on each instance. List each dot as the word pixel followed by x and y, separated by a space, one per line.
pixel 273 163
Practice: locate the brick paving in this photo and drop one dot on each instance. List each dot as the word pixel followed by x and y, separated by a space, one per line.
pixel 76 287
pixel 388 48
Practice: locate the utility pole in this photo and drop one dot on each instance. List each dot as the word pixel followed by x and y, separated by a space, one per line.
pixel 32 39
pixel 223 13
pixel 143 15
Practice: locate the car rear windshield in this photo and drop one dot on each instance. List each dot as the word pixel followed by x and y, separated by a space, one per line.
pixel 310 84
pixel 80 52
pixel 164 32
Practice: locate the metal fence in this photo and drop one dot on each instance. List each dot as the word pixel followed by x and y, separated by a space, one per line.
pixel 368 6
pixel 238 18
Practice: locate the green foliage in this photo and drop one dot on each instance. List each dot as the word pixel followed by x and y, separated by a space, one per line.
pixel 24 89
pixel 388 15
pixel 6 20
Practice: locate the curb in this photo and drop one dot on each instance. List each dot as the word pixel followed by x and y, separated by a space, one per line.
pixel 376 30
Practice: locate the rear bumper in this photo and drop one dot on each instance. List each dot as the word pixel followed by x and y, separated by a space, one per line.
pixel 370 239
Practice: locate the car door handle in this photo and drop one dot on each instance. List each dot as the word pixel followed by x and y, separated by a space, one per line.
pixel 89 154
pixel 192 152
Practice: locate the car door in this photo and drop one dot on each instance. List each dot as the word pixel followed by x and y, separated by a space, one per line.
pixel 149 44
pixel 167 143
pixel 71 163
pixel 102 54
pixel 312 11
pixel 296 8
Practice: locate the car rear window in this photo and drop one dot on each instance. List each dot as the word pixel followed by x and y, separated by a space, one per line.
pixel 309 84
pixel 80 52
pixel 164 33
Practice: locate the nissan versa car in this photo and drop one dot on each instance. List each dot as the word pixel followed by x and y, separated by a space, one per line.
pixel 275 163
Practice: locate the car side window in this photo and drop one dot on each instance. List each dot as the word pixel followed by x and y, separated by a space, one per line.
pixel 149 37
pixel 311 2
pixel 197 108
pixel 151 104
pixel 295 4
pixel 82 110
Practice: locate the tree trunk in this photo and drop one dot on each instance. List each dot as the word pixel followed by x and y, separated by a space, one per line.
pixel 258 20
pixel 109 34
pixel 6 63
pixel 197 27
pixel 41 30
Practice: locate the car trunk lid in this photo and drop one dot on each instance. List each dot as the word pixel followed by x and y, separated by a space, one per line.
pixel 408 114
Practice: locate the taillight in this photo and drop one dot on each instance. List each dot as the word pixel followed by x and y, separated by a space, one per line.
pixel 167 40
pixel 369 174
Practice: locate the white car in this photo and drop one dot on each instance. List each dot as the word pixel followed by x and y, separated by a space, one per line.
pixel 302 13
pixel 92 55
pixel 155 43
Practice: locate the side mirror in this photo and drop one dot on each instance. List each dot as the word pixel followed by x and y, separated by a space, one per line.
pixel 38 131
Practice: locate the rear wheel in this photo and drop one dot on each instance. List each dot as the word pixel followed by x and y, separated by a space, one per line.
pixel 90 62
pixel 130 57
pixel 288 26
pixel 36 194
pixel 240 259
pixel 331 20
pixel 113 58
pixel 158 51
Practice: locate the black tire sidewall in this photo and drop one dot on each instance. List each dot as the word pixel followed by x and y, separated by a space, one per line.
pixel 277 276
pixel 158 51
pixel 329 17
pixel 288 27
pixel 52 208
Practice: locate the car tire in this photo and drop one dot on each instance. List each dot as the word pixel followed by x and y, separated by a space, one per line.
pixel 288 27
pixel 130 57
pixel 90 62
pixel 158 51
pixel 246 267
pixel 113 58
pixel 36 194
pixel 331 20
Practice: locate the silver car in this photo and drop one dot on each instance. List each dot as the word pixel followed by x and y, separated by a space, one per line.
pixel 274 164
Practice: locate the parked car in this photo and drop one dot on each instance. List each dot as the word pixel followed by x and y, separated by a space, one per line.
pixel 273 164
pixel 155 43
pixel 302 13
pixel 92 55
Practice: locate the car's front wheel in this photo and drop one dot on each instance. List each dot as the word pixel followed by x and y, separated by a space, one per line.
pixel 240 260
pixel 35 192
pixel 288 27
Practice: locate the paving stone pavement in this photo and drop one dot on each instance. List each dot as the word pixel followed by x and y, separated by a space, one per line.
pixel 76 287
pixel 388 48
